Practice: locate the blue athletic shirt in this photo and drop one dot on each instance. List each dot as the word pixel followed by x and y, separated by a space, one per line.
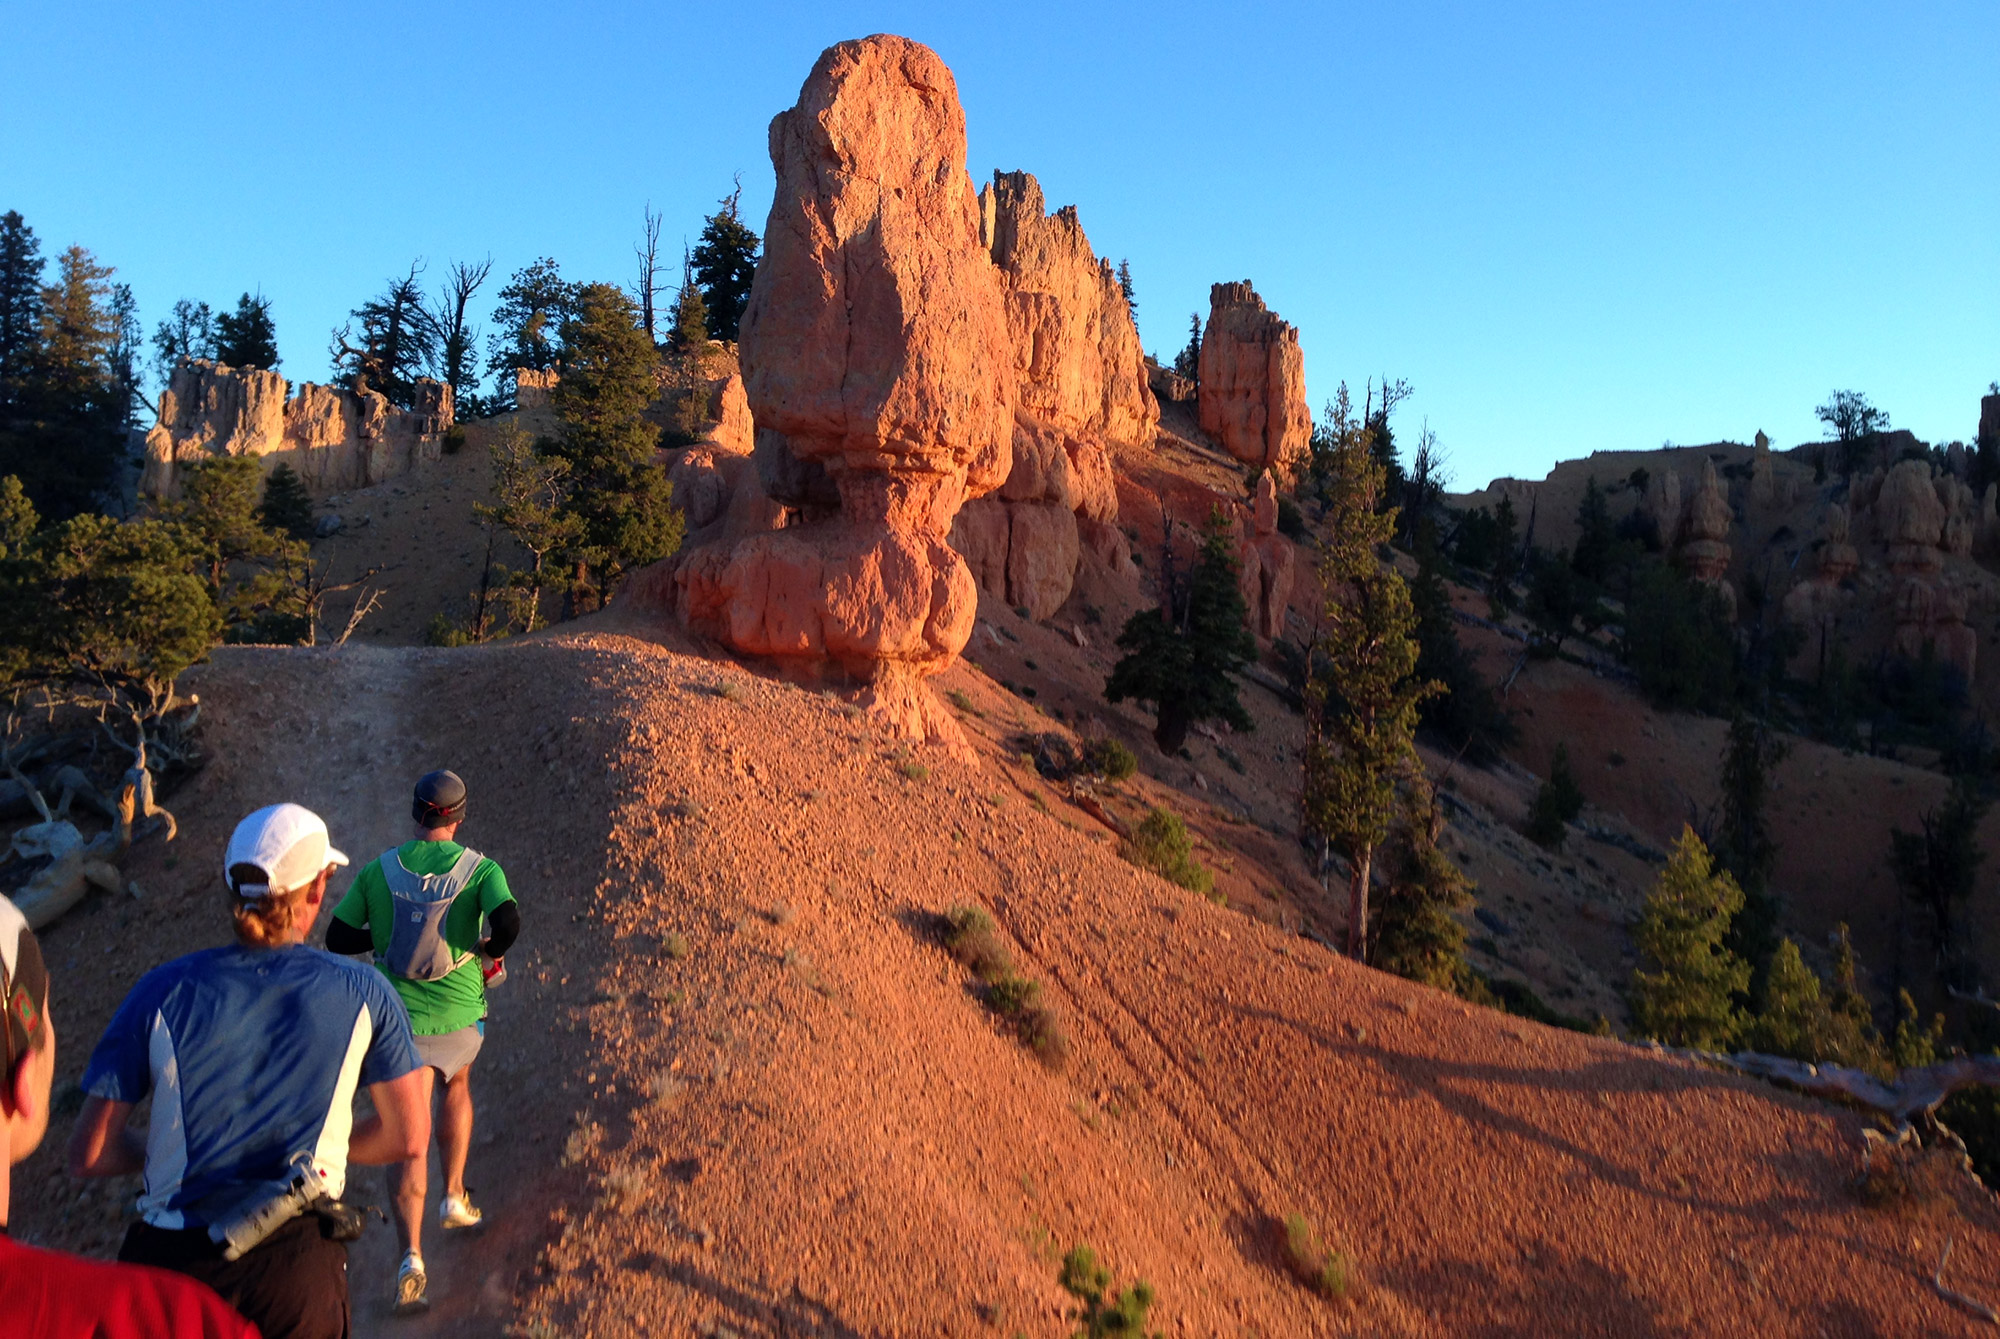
pixel 252 1056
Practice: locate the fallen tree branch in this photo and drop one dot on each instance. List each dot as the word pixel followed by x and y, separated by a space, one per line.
pixel 1913 1093
pixel 1972 1304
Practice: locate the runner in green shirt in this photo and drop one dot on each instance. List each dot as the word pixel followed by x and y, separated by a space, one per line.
pixel 419 910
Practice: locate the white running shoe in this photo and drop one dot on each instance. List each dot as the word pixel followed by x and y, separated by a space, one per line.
pixel 410 1282
pixel 456 1211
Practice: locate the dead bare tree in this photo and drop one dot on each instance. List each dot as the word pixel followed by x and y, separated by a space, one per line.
pixel 648 252
pixel 456 353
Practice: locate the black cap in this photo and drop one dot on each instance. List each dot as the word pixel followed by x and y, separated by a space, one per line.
pixel 440 800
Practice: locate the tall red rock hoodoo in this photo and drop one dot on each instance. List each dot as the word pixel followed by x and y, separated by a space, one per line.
pixel 879 374
pixel 1253 380
pixel 1080 375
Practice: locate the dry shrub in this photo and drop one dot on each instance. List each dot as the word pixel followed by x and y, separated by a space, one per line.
pixel 1903 1177
pixel 970 936
pixel 1326 1272
pixel 623 1186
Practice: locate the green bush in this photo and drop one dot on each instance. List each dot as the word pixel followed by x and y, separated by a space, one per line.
pixel 969 935
pixel 1161 844
pixel 1109 758
pixel 1099 1316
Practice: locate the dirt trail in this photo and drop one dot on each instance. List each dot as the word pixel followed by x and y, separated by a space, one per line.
pixel 735 1088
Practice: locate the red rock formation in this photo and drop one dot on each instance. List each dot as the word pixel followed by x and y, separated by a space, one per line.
pixel 879 373
pixel 1077 357
pixel 1265 564
pixel 1253 380
pixel 1910 519
pixel 1706 551
pixel 1930 620
pixel 333 437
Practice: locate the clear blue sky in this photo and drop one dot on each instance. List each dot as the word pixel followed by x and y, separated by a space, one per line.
pixel 1571 226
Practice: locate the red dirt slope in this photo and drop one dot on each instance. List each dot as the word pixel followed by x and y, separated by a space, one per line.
pixel 808 1124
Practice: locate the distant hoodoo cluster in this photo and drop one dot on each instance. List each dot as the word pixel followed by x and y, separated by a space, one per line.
pixel 333 437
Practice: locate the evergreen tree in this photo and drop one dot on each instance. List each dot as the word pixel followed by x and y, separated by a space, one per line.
pixel 1181 657
pixel 533 308
pixel 248 567
pixel 1793 1020
pixel 20 305
pixel 1363 695
pixel 691 326
pixel 287 507
pixel 1417 934
pixel 1187 362
pixel 619 500
pixel 1556 805
pixel 1596 540
pixel 247 337
pixel 1554 602
pixel 127 342
pixel 723 264
pixel 1506 556
pixel 530 489
pixel 1743 846
pixel 187 333
pixel 65 435
pixel 1685 988
pixel 1678 641
pixel 1937 866
pixel 1125 287
pixel 398 338
pixel 1464 716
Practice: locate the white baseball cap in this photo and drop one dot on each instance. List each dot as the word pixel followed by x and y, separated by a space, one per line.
pixel 277 849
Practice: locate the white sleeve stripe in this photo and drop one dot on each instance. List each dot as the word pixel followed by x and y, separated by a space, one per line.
pixel 330 1153
pixel 166 1131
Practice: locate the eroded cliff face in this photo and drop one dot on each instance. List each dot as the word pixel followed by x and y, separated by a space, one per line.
pixel 334 438
pixel 1253 380
pixel 880 378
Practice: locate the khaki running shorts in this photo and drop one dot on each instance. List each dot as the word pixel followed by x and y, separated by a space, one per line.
pixel 449 1052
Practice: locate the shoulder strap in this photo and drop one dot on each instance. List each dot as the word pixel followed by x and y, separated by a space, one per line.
pixel 395 873
pixel 459 876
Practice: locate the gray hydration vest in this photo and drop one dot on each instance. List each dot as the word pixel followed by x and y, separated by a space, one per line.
pixel 418 904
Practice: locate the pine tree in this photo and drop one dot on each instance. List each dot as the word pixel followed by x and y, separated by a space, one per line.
pixel 1125 287
pixel 20 304
pixel 1595 540
pixel 1556 805
pixel 1181 657
pixel 247 337
pixel 123 357
pixel 691 327
pixel 399 341
pixel 245 563
pixel 530 489
pixel 1685 988
pixel 187 334
pixel 287 507
pixel 1464 716
pixel 533 308
pixel 1793 1020
pixel 1416 933
pixel 723 265
pixel 1363 695
pixel 1187 362
pixel 1506 557
pixel 1937 866
pixel 66 435
pixel 457 357
pixel 1743 846
pixel 619 501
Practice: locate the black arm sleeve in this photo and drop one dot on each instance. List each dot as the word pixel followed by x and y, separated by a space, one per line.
pixel 344 938
pixel 503 927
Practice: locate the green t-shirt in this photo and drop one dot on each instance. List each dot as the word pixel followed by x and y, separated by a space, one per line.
pixel 457 999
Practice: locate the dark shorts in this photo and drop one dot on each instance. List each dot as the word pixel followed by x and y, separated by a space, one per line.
pixel 291 1286
pixel 449 1052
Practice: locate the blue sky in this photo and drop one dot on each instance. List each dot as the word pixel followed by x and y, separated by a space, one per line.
pixel 1572 227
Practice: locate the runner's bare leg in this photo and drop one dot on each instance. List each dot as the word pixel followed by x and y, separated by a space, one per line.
pixel 411 1180
pixel 454 1131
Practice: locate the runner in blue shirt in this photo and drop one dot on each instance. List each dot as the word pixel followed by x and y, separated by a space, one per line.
pixel 253 1055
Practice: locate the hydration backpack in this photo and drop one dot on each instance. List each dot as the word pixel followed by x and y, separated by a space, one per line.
pixel 418 904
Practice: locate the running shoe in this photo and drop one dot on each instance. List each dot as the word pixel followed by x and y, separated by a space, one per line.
pixel 410 1282
pixel 456 1211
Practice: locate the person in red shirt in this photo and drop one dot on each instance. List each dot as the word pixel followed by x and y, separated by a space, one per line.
pixel 45 1294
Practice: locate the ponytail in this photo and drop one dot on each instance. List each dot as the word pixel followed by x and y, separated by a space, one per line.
pixel 266 922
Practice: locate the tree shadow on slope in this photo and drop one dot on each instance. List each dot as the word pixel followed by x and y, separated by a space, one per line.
pixel 1439 1079
pixel 751 1313
pixel 1555 1294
